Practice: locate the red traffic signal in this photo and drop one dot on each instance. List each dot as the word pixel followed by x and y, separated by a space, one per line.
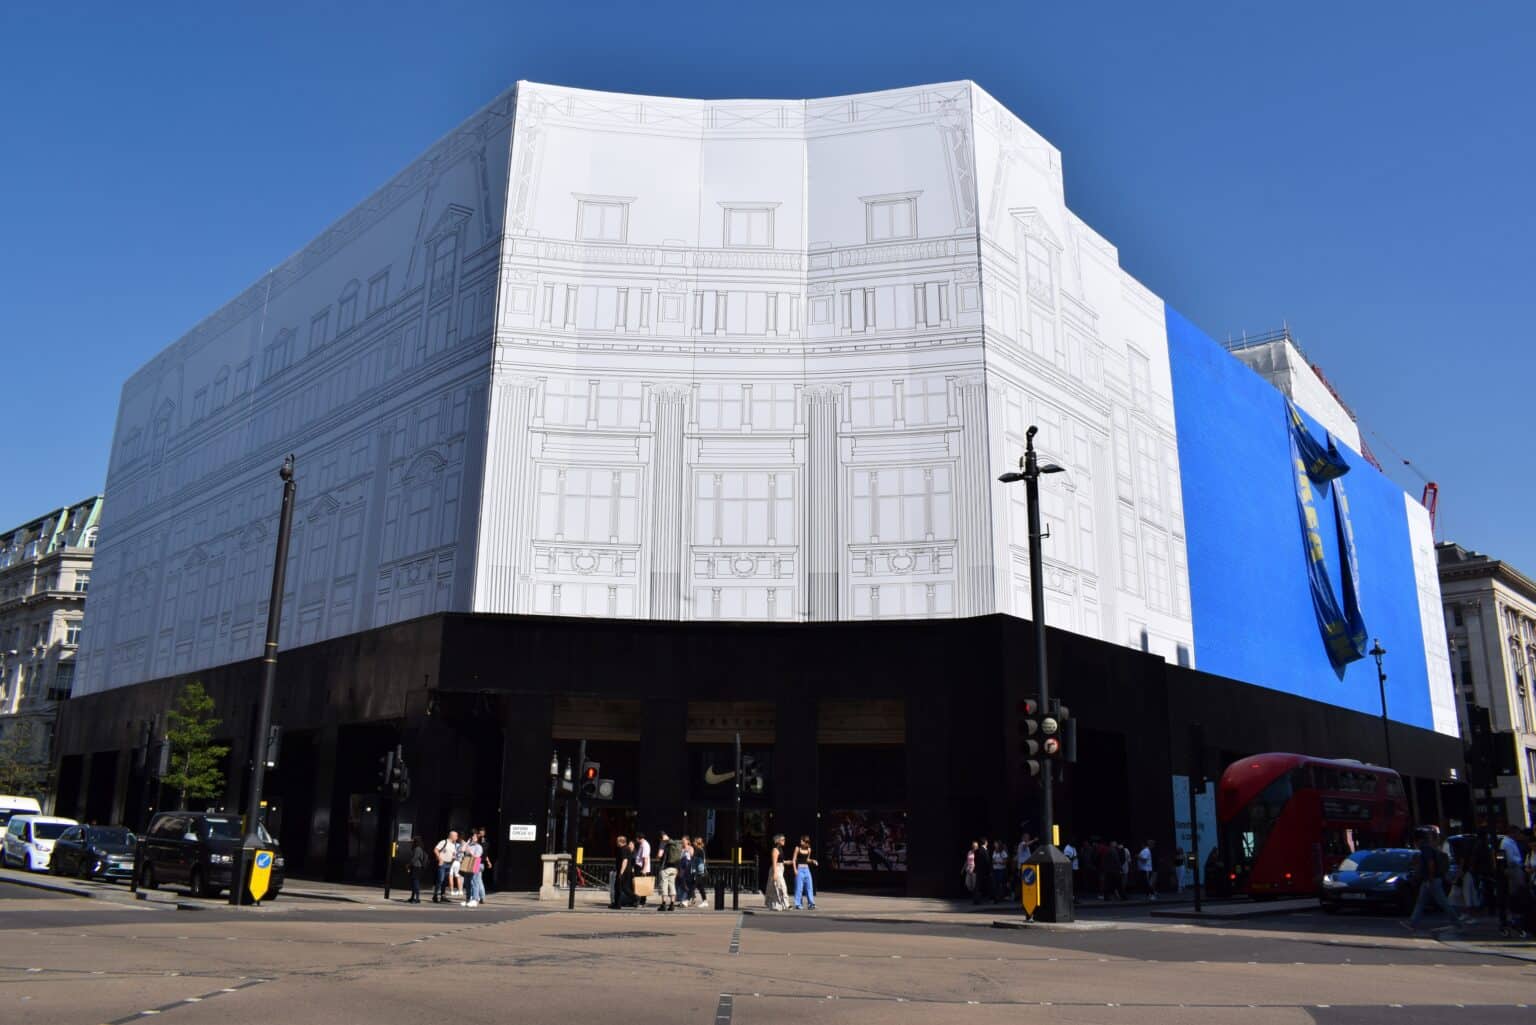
pixel 589 772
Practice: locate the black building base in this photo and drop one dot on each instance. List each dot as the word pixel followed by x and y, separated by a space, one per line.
pixel 891 744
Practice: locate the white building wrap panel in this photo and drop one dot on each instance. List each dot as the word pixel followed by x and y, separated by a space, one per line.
pixel 663 359
pixel 1437 655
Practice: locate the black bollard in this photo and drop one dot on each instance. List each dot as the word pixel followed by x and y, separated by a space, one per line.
pixel 720 892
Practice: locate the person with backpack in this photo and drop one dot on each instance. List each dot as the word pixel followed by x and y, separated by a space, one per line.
pixel 1430 870
pixel 669 856
pixel 415 866
pixel 447 854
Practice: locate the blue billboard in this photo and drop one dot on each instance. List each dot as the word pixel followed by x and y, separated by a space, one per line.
pixel 1276 598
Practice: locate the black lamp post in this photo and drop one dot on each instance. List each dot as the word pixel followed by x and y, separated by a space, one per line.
pixel 554 780
pixel 1055 870
pixel 268 686
pixel 1376 652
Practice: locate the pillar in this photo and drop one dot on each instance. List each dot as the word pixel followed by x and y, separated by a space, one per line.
pixel 821 522
pixel 667 513
pixel 506 500
pixel 973 502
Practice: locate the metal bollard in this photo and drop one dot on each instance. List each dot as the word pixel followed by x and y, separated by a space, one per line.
pixel 720 892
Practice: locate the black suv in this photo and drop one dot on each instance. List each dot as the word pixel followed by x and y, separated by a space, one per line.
pixel 198 849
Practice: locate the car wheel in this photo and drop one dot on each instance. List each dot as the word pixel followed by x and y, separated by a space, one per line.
pixel 83 870
pixel 198 887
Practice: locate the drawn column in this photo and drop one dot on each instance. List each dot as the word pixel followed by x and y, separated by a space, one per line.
pixel 667 502
pixel 503 538
pixel 973 502
pixel 821 524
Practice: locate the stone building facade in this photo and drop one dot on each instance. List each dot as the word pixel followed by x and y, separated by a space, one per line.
pixel 45 572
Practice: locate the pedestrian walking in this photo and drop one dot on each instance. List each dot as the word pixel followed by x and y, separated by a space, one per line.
pixel 469 869
pixel 416 865
pixel 999 872
pixel 1113 869
pixel 700 871
pixel 1146 865
pixel 1431 868
pixel 776 894
pixel 685 872
pixel 669 856
pixel 803 862
pixel 623 874
pixel 642 861
pixel 1070 853
pixel 447 854
pixel 983 890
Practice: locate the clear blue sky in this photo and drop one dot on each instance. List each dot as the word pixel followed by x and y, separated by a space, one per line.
pixel 1363 171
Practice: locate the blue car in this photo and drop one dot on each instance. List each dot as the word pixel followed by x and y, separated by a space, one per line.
pixel 1379 878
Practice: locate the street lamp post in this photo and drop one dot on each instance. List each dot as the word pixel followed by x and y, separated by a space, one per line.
pixel 1376 652
pixel 554 780
pixel 268 686
pixel 1055 870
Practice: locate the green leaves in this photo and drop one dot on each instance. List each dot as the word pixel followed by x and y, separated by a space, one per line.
pixel 195 769
pixel 23 764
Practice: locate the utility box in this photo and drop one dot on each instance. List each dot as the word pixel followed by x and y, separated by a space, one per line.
pixel 1055 871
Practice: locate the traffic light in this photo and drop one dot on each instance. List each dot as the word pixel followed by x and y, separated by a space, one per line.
pixel 394 776
pixel 1029 737
pixel 593 786
pixel 386 770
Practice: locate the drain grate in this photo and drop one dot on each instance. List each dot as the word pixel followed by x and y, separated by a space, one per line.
pixel 635 934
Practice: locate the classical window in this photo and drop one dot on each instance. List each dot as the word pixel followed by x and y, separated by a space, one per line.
pixel 720 407
pixel 72 634
pixel 63 682
pixel 445 262
pixel 565 402
pixel 744 507
pixel 588 503
pixel 83 580
pixel 319 324
pixel 902 503
pixel 873 403
pixel 748 225
pixel 346 308
pixel 378 292
pixel 603 218
pixel 221 389
pixel 926 401
pixel 891 216
pixel 278 355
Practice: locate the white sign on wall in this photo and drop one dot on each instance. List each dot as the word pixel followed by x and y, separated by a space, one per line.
pixel 522 834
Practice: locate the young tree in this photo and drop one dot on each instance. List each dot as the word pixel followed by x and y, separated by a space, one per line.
pixel 195 757
pixel 21 771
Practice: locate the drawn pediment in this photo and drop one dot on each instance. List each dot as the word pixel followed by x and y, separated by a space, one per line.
pixel 1034 225
pixel 322 506
pixel 454 217
pixel 253 534
pixel 423 466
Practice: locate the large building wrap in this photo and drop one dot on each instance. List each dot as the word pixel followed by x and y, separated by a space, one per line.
pixel 644 358
pixel 1265 608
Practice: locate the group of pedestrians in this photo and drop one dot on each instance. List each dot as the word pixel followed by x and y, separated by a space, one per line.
pixel 1470 874
pixel 801 861
pixel 992 870
pixel 460 865
pixel 672 870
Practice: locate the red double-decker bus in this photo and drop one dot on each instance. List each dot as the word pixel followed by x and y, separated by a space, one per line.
pixel 1288 819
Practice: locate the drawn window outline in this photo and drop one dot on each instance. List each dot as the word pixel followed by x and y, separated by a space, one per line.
pixel 747 225
pixel 602 218
pixel 891 216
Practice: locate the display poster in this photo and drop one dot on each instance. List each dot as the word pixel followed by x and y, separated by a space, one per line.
pixel 1205 810
pixel 865 841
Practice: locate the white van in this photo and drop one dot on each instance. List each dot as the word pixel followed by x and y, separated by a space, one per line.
pixel 29 840
pixel 11 805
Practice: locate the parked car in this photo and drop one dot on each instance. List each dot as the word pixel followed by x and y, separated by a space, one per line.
pixel 10 805
pixel 91 851
pixel 29 840
pixel 1377 878
pixel 197 849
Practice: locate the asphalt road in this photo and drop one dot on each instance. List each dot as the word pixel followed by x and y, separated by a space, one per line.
pixel 111 959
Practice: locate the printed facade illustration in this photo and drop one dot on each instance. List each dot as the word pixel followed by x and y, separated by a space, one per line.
pixel 634 357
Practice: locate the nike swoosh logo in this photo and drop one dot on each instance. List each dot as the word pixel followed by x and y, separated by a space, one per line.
pixel 712 777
